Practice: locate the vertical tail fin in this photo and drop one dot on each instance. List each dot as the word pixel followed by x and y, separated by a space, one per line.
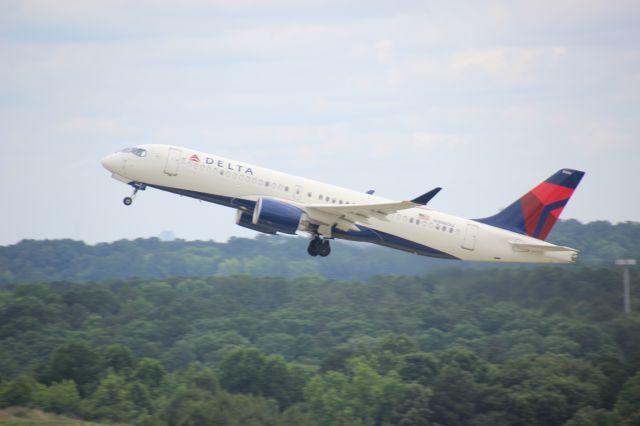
pixel 536 212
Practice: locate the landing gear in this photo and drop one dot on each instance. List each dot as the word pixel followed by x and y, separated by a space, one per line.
pixel 319 247
pixel 127 201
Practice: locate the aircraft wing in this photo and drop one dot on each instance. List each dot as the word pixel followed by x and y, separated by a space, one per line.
pixel 345 216
pixel 518 246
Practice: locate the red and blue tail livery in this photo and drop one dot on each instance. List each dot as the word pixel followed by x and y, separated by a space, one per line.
pixel 535 213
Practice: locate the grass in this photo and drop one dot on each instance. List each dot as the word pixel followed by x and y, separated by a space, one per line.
pixel 20 416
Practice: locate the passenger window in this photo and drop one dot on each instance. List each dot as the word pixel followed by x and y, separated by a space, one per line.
pixel 411 220
pixel 266 183
pixel 340 202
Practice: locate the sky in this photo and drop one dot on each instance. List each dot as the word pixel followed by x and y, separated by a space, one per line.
pixel 483 98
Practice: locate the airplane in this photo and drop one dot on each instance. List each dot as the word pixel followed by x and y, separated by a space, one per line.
pixel 273 202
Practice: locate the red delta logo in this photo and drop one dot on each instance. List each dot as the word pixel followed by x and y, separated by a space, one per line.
pixel 195 158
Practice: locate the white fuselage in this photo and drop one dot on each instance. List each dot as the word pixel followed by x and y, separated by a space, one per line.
pixel 228 182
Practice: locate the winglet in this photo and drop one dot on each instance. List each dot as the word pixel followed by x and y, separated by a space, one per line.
pixel 425 198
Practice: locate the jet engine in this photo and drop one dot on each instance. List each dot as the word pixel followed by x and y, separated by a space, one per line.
pixel 244 219
pixel 276 215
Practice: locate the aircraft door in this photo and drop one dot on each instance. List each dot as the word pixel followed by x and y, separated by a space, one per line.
pixel 297 193
pixel 173 161
pixel 470 237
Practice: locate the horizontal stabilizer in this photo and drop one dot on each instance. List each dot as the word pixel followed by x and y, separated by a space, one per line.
pixel 518 246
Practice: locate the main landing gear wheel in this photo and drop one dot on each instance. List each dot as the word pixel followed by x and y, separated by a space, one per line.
pixel 319 247
pixel 324 249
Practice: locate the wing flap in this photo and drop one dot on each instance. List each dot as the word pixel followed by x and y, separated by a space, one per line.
pixel 379 208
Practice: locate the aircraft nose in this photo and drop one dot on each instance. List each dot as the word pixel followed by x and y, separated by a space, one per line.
pixel 109 162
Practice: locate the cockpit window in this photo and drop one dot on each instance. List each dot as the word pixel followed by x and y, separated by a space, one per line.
pixel 136 151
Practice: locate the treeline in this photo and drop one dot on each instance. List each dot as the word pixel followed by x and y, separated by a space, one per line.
pixel 39 261
pixel 535 346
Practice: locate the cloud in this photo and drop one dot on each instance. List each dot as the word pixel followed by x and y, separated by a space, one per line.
pixel 383 50
pixel 350 93
pixel 91 125
pixel 434 141
pixel 513 64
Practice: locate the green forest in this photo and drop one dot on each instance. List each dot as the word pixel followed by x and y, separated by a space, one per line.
pixel 265 256
pixel 95 333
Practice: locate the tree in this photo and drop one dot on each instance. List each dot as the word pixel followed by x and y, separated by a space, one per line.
pixel 75 361
pixel 241 371
pixel 628 403
pixel 119 357
pixel 18 392
pixel 150 372
pixel 278 383
pixel 62 397
pixel 198 407
pixel 140 396
pixel 247 370
pixel 412 407
pixel 589 416
pixel 455 394
pixel 203 378
pixel 111 400
pixel 419 367
pixel 360 398
pixel 328 399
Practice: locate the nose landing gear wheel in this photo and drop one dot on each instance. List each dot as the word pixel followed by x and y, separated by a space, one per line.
pixel 136 187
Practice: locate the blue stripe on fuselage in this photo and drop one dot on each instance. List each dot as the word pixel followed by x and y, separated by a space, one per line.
pixel 211 198
pixel 364 234
pixel 369 235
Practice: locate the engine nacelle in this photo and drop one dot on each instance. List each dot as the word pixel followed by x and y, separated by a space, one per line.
pixel 244 219
pixel 279 216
